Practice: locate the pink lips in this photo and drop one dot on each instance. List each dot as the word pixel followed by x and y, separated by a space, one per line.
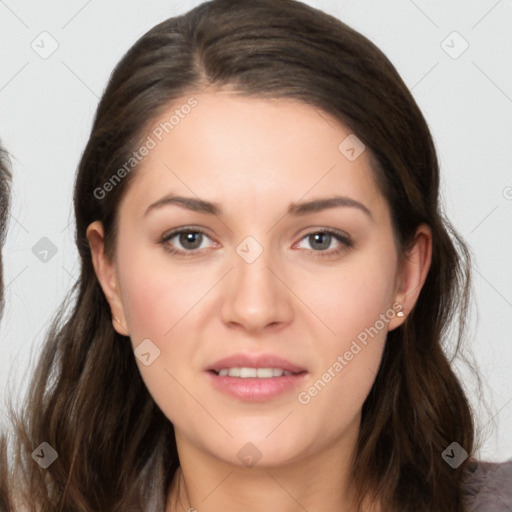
pixel 255 389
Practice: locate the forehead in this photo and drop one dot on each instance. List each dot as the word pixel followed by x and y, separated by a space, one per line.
pixel 229 148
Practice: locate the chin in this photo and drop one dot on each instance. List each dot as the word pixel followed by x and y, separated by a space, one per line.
pixel 251 447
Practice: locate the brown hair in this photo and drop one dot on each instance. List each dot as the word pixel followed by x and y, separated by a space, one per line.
pixel 5 180
pixel 116 449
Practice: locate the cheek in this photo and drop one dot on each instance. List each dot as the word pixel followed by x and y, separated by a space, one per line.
pixel 155 297
pixel 355 295
pixel 159 304
pixel 357 306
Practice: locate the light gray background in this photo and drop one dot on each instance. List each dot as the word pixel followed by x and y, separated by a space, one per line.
pixel 47 110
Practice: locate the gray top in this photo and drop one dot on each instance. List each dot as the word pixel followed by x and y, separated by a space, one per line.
pixel 489 486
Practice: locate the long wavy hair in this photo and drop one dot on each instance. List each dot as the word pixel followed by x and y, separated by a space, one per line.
pixel 116 449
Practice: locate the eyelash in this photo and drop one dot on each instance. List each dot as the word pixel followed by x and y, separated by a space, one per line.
pixel 346 242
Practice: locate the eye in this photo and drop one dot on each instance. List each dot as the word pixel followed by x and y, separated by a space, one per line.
pixel 189 238
pixel 321 240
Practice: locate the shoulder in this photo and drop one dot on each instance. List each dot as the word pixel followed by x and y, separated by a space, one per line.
pixel 488 486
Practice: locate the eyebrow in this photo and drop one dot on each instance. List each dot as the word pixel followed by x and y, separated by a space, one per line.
pixel 294 209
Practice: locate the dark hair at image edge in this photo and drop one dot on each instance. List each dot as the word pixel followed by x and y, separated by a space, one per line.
pixel 5 180
pixel 5 193
pixel 116 449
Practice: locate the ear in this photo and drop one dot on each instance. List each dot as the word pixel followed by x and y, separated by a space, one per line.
pixel 106 273
pixel 413 273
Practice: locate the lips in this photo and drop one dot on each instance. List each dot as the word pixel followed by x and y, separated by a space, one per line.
pixel 247 377
pixel 255 361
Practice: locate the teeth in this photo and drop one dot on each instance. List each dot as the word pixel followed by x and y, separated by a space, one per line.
pixel 266 373
pixel 248 372
pixel 260 373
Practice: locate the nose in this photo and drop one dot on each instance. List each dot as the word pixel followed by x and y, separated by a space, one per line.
pixel 256 296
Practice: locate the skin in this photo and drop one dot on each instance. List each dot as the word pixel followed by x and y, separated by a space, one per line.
pixel 254 157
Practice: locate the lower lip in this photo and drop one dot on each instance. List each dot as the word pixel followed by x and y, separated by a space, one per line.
pixel 253 389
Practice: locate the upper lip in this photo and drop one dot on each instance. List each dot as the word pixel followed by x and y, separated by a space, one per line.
pixel 254 361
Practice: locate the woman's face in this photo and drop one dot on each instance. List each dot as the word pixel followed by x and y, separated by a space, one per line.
pixel 265 286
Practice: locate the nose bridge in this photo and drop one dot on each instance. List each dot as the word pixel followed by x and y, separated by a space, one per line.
pixel 256 297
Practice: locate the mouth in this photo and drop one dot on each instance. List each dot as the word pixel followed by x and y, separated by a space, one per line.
pixel 245 372
pixel 255 378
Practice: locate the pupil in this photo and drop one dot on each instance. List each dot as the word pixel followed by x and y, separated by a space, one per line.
pixel 186 238
pixel 321 236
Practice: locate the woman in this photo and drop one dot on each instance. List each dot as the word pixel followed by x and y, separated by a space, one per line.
pixel 255 370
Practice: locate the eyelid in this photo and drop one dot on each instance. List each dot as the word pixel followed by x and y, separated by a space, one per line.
pixel 184 229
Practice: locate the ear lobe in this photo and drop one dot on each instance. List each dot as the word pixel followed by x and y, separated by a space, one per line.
pixel 413 273
pixel 106 273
